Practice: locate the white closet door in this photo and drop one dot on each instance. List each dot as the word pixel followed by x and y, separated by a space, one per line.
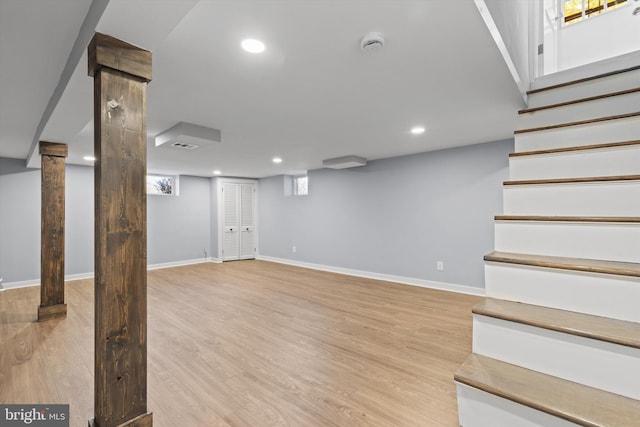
pixel 230 221
pixel 247 221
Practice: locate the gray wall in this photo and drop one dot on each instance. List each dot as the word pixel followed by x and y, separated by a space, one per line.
pixel 79 243
pixel 394 216
pixel 178 227
pixel 19 221
pixel 214 219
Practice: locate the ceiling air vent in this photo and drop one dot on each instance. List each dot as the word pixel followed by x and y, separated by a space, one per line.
pixel 187 136
pixel 344 162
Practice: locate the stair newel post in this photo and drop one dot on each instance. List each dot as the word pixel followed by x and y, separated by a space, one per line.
pixel 121 72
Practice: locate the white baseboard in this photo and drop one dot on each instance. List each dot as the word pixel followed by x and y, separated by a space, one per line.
pixel 177 263
pixel 22 284
pixel 350 272
pixel 80 276
pixel 379 276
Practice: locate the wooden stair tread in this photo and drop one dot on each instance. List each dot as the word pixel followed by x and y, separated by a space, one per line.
pixel 574 402
pixel 585 325
pixel 576 264
pixel 541 218
pixel 574 180
pixel 578 101
pixel 580 122
pixel 576 148
pixel 583 80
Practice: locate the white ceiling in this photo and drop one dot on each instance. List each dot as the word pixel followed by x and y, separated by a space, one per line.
pixel 312 95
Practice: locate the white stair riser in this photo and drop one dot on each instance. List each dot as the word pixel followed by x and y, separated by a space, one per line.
pixel 610 106
pixel 587 361
pixel 614 83
pixel 573 136
pixel 575 164
pixel 477 408
pixel 604 241
pixel 604 295
pixel 608 198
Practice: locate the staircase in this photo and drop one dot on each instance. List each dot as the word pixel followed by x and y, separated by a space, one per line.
pixel 557 340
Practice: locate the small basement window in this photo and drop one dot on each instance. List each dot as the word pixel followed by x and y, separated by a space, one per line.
pixel 301 185
pixel 163 185
pixel 578 10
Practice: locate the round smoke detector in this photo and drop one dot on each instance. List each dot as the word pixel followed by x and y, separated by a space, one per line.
pixel 371 42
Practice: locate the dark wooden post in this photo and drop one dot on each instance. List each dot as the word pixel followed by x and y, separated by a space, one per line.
pixel 121 72
pixel 52 242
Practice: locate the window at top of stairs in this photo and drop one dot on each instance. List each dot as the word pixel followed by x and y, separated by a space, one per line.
pixel 578 10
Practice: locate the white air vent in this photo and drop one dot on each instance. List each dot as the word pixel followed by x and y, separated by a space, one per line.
pixel 187 136
pixel 344 162
pixel 184 146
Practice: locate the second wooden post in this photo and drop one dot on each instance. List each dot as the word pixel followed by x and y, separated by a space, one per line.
pixel 52 242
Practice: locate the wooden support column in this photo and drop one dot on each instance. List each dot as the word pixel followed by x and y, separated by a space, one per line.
pixel 121 72
pixel 52 241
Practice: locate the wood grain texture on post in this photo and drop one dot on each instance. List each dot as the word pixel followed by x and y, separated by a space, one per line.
pixel 121 72
pixel 52 304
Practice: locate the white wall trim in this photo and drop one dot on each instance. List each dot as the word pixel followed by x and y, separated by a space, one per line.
pixel 176 263
pixel 80 276
pixel 462 289
pixel 23 284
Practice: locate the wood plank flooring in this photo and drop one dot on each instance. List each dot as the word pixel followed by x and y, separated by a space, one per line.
pixel 253 344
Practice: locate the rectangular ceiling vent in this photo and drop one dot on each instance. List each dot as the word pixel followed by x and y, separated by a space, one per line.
pixel 187 136
pixel 344 162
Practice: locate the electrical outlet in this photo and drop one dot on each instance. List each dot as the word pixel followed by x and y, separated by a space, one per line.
pixel 294 249
pixel 440 265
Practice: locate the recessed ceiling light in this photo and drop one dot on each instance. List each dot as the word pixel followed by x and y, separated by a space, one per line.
pixel 253 46
pixel 89 158
pixel 217 172
pixel 277 160
pixel 417 130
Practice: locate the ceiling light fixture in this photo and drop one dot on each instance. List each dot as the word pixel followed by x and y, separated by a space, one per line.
pixel 216 172
pixel 417 130
pixel 277 160
pixel 89 158
pixel 253 45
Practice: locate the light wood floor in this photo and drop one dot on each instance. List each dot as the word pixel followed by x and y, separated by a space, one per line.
pixel 254 344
